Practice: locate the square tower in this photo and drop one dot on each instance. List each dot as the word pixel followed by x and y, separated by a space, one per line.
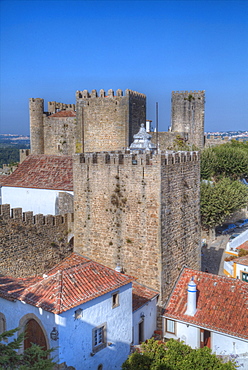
pixel 139 211
pixel 108 122
pixel 187 116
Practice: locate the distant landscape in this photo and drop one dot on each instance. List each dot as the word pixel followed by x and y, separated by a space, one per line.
pixel 10 146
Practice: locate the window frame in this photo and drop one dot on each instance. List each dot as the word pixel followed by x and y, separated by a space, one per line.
pixel 117 299
pixel 96 347
pixel 167 321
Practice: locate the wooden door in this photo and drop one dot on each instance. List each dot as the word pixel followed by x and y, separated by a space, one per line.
pixel 141 331
pixel 34 334
pixel 205 340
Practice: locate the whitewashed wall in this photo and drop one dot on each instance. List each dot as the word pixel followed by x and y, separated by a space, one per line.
pixel 75 335
pixel 150 320
pixel 36 200
pixel 220 344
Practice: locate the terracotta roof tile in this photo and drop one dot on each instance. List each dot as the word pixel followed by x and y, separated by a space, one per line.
pixel 64 113
pixel 142 295
pixel 43 172
pixel 222 303
pixel 2 178
pixel 243 246
pixel 242 260
pixel 74 281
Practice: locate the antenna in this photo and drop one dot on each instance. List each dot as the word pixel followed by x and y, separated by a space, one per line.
pixel 157 126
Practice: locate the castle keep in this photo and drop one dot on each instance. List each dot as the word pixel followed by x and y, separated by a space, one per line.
pixel 139 211
pixel 107 121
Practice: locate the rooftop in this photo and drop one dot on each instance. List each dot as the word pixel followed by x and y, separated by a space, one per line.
pixel 42 172
pixel 64 113
pixel 72 282
pixel 243 246
pixel 242 260
pixel 222 303
pixel 142 295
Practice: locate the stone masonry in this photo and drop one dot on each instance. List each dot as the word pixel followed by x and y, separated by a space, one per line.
pixel 139 211
pixel 187 116
pixel 31 244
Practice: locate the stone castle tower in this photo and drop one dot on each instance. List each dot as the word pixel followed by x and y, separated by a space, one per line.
pixel 187 116
pixel 103 122
pixel 139 210
pixel 64 130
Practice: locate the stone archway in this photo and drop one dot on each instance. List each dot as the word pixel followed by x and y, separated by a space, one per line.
pixel 35 332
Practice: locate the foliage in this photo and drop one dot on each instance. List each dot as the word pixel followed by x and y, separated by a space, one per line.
pixel 9 154
pixel 174 355
pixel 226 160
pixel 221 199
pixel 179 143
pixel 32 358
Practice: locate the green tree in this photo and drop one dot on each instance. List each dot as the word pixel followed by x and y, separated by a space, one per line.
pixel 226 160
pixel 32 358
pixel 219 200
pixel 174 355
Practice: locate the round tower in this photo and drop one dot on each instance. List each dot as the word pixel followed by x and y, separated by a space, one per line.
pixel 36 109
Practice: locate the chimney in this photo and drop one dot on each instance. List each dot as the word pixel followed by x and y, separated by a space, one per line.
pixel 191 303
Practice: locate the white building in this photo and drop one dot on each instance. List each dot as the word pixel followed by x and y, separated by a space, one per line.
pixel 210 310
pixel 38 184
pixel 80 307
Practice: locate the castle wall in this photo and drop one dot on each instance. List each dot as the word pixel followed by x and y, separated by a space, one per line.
pixel 59 135
pixel 31 244
pixel 187 115
pixel 166 140
pixel 108 122
pixel 141 216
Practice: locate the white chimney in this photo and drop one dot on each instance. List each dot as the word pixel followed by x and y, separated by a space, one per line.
pixel 191 303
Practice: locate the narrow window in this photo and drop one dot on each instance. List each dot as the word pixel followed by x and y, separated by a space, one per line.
pixel 99 338
pixel 115 299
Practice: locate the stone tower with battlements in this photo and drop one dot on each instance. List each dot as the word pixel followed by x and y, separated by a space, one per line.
pixel 139 210
pixel 99 122
pixel 187 116
pixel 108 121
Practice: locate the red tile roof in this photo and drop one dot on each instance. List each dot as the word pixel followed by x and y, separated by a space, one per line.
pixel 222 303
pixel 142 295
pixel 64 113
pixel 74 281
pixel 242 260
pixel 243 246
pixel 42 172
pixel 2 178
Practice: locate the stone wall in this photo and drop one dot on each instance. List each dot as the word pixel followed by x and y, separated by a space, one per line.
pixel 108 122
pixel 187 115
pixel 29 245
pixel 59 135
pixel 139 211
pixel 166 140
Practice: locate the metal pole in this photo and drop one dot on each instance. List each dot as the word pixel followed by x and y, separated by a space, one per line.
pixel 157 126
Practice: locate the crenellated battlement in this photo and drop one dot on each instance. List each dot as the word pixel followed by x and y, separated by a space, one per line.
pixel 137 158
pixel 85 94
pixel 28 218
pixel 54 106
pixel 200 92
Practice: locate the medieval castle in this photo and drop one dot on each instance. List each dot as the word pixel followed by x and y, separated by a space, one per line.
pixel 138 210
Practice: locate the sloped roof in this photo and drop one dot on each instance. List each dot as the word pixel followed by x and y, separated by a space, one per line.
pixel 142 295
pixel 64 113
pixel 2 179
pixel 222 303
pixel 243 246
pixel 42 172
pixel 242 260
pixel 74 281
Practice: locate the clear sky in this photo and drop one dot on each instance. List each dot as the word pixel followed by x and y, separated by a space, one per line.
pixel 50 49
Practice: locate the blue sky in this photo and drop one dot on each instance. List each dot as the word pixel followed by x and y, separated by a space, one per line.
pixel 50 49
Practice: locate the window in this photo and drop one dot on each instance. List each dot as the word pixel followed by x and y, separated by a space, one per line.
pixel 170 326
pixel 99 338
pixel 244 276
pixel 115 299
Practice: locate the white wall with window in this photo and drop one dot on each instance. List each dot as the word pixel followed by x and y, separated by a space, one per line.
pixel 93 335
